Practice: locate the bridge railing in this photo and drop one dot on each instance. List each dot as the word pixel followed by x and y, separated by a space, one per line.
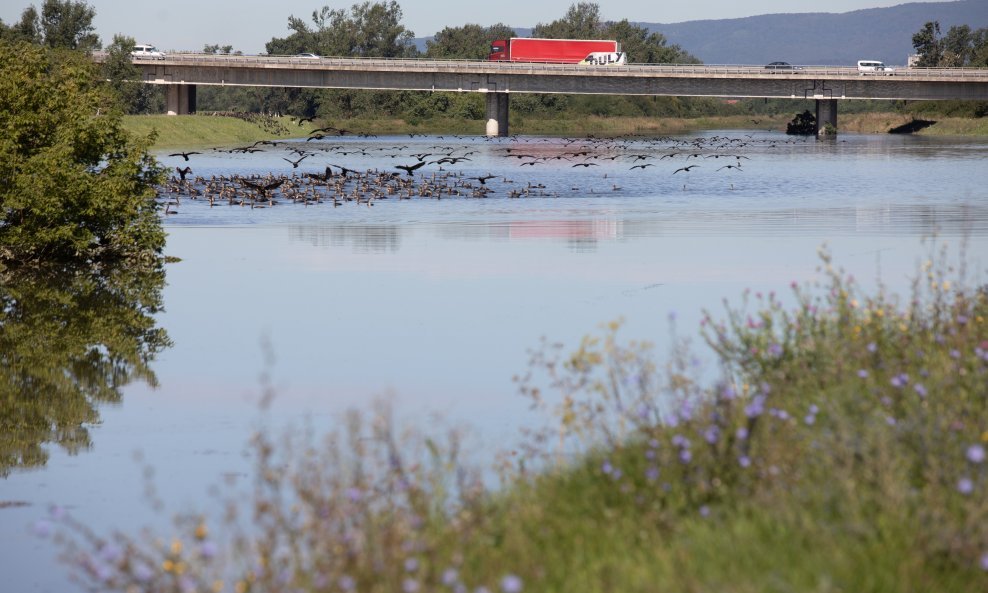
pixel 205 59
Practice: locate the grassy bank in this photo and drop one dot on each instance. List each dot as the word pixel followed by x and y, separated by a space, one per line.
pixel 202 130
pixel 842 449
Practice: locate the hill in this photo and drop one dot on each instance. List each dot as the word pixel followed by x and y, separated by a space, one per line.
pixel 813 38
pixel 819 38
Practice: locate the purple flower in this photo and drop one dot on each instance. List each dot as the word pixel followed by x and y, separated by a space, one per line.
pixel 756 407
pixel 704 511
pixel 775 350
pixel 346 583
pixel 984 561
pixel 42 528
pixel 975 453
pixel 711 434
pixel 900 380
pixel 814 409
pixel 410 585
pixel 650 454
pixel 955 353
pixel 207 550
pixel 680 441
pixel 450 577
pixel 354 494
pixel 965 486
pixel 810 419
pixel 920 390
pixel 652 473
pixel 411 565
pixel 744 461
pixel 685 456
pixel 142 573
pixel 110 553
pixel 511 584
pixel 742 433
pixel 872 347
pixel 863 373
pixel 606 467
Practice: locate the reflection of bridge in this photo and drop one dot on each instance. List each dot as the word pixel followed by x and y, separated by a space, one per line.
pixel 825 84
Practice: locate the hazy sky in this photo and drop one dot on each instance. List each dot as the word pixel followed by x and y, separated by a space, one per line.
pixel 249 24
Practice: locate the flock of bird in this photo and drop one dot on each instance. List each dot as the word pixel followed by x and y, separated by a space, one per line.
pixel 440 171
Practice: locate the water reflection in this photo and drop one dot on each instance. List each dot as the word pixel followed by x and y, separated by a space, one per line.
pixel 70 341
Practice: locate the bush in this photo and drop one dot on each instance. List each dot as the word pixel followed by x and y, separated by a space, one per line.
pixel 73 185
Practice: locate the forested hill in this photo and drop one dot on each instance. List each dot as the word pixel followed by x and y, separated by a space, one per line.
pixel 820 38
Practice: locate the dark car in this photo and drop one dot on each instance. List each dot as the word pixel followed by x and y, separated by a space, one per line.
pixel 782 67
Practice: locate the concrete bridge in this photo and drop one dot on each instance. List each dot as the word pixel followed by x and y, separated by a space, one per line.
pixel 181 73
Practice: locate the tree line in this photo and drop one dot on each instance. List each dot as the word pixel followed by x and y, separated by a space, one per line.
pixel 961 46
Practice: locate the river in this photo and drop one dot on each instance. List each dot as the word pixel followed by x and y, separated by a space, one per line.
pixel 435 303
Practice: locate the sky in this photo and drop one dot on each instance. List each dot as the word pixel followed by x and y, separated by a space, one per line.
pixel 247 25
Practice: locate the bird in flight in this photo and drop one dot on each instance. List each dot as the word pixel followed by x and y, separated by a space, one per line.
pixel 642 166
pixel 483 179
pixel 295 163
pixel 737 167
pixel 409 168
pixel 184 155
pixel 183 172
pixel 687 169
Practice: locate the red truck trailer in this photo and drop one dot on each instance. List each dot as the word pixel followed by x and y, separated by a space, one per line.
pixel 556 51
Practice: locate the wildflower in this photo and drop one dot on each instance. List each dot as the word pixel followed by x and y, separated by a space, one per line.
pixel 814 409
pixel 56 512
pixel 891 421
pixel 207 550
pixel 685 456
pixel 742 433
pixel 984 561
pixel 810 419
pixel 42 528
pixel 756 407
pixel 410 585
pixel 143 573
pixel 652 473
pixel 650 454
pixel 775 350
pixel 411 565
pixel 920 390
pixel 704 511
pixel 965 486
pixel 110 553
pixel 346 583
pixel 744 461
pixel 680 441
pixel 975 453
pixel 606 467
pixel 872 347
pixel 955 353
pixel 450 577
pixel 711 435
pixel 354 494
pixel 863 373
pixel 729 392
pixel 511 584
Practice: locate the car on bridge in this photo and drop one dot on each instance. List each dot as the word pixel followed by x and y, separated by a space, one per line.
pixel 147 51
pixel 874 67
pixel 307 56
pixel 782 67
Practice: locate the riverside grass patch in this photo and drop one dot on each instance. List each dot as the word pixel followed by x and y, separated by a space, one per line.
pixel 842 448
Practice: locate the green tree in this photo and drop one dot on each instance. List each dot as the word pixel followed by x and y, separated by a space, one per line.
pixel 582 21
pixel 644 47
pixel 469 42
pixel 366 30
pixel 28 29
pixel 69 341
pixel 956 46
pixel 69 24
pixel 123 77
pixel 74 186
pixel 928 45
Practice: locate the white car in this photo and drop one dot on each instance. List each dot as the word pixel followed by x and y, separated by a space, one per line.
pixel 874 67
pixel 147 51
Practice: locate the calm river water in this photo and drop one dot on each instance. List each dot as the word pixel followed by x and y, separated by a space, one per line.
pixel 436 303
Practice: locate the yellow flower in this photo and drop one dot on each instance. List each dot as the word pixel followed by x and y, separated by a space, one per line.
pixel 201 532
pixel 176 547
pixel 217 586
pixel 167 566
pixel 240 587
pixel 984 436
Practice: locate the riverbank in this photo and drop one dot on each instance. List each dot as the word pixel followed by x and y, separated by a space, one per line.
pixel 206 130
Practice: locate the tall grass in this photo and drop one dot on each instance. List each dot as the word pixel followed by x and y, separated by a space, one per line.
pixel 843 448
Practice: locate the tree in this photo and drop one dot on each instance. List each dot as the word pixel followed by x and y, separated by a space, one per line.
pixel 74 186
pixel 27 30
pixel 582 21
pixel 124 78
pixel 367 30
pixel 928 45
pixel 644 47
pixel 956 46
pixel 469 42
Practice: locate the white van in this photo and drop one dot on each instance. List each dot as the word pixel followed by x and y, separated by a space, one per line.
pixel 874 67
pixel 147 51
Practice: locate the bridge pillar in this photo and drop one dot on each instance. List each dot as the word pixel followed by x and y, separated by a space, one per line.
pixel 180 99
pixel 826 113
pixel 497 114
